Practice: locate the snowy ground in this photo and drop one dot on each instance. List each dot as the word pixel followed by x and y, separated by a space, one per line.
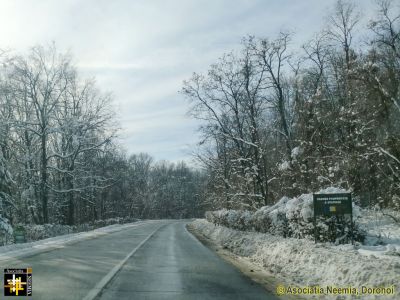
pixel 27 249
pixel 303 263
pixel 383 239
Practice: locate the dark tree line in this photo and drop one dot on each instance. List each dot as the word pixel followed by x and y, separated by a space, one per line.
pixel 278 122
pixel 147 189
pixel 59 161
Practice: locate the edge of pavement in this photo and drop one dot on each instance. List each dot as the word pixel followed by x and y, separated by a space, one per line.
pixel 57 242
pixel 245 266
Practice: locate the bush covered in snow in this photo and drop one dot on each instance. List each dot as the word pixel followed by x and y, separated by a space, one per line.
pixel 39 232
pixel 290 218
pixel 302 263
pixel 6 231
pixel 240 220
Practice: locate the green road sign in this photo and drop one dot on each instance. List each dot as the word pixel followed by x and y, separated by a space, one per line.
pixel 19 235
pixel 332 204
pixel 337 206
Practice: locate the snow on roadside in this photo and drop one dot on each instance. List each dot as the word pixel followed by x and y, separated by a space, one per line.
pixel 24 249
pixel 289 217
pixel 305 263
pixel 383 233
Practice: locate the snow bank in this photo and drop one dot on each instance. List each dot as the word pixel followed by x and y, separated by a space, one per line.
pixel 289 217
pixel 40 232
pixel 383 232
pixel 31 248
pixel 304 263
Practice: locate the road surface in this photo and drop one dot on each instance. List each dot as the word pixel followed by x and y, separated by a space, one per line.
pixel 154 260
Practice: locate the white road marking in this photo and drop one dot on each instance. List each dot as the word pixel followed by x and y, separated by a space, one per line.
pixel 106 279
pixel 42 246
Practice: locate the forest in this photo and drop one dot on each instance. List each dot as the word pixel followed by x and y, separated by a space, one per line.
pixel 60 162
pixel 277 120
pixel 281 120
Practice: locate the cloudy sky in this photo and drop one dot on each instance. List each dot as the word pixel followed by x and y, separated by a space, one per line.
pixel 142 50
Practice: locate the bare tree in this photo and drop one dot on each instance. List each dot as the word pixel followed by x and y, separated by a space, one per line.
pixel 342 25
pixel 41 81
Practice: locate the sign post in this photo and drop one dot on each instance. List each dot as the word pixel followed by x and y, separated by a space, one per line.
pixel 329 205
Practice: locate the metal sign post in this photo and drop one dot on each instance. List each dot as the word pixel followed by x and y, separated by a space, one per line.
pixel 329 205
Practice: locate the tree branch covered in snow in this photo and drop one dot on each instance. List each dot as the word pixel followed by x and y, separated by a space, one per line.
pixel 328 115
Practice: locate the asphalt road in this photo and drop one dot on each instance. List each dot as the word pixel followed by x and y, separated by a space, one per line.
pixel 154 260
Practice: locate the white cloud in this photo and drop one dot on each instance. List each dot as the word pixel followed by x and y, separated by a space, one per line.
pixel 142 50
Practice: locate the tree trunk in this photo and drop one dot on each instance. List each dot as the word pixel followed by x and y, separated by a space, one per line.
pixel 43 182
